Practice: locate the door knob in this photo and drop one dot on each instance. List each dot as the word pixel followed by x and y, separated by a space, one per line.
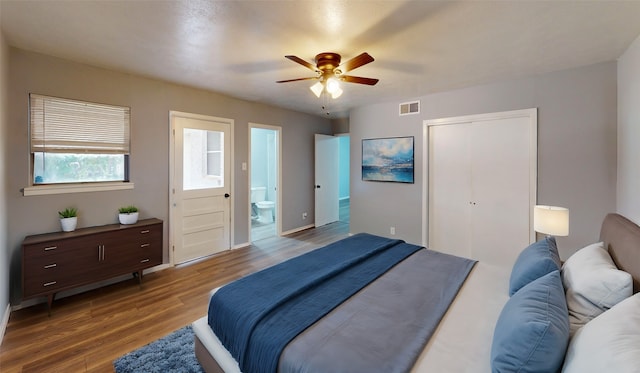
pixel 227 195
pixel 317 186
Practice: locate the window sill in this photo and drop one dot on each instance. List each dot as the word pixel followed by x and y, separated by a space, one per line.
pixel 75 188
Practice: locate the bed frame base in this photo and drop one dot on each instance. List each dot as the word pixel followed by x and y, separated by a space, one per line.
pixel 205 359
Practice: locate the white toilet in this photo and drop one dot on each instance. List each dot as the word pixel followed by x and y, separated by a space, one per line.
pixel 265 208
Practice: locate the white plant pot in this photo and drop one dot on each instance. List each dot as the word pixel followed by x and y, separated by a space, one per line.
pixel 69 224
pixel 131 218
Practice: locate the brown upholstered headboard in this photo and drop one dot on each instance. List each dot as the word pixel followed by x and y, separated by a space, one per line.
pixel 621 237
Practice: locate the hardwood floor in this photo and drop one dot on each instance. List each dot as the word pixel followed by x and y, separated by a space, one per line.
pixel 86 332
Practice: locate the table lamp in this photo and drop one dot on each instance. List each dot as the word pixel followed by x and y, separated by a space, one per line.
pixel 551 220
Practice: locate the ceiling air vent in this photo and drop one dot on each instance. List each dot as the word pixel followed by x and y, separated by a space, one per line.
pixel 407 108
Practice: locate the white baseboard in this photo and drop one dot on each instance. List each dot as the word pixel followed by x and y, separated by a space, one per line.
pixel 5 322
pixel 240 246
pixel 303 228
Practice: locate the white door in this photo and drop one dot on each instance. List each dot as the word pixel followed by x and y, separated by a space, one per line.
pixel 449 188
pixel 500 200
pixel 482 175
pixel 326 178
pixel 200 190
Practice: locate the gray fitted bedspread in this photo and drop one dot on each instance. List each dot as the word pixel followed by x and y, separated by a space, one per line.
pixel 386 325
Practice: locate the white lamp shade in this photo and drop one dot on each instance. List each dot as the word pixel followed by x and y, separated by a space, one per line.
pixel 332 85
pixel 336 93
pixel 551 220
pixel 317 89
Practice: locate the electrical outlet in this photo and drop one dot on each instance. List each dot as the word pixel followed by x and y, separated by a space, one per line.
pixel 304 215
pixel 393 231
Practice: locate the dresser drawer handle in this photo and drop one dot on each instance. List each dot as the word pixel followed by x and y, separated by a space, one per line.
pixel 50 283
pixel 144 245
pixel 144 260
pixel 144 231
pixel 50 248
pixel 50 266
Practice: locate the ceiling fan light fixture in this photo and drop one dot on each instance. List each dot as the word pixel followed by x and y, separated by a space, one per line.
pixel 333 86
pixel 317 89
pixel 336 93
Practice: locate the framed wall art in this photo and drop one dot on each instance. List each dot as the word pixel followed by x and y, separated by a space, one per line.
pixel 388 159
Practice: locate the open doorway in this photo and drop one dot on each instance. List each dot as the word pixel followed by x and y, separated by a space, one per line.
pixel 343 177
pixel 264 181
pixel 332 158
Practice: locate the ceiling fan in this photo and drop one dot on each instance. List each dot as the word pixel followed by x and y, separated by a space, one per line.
pixel 329 72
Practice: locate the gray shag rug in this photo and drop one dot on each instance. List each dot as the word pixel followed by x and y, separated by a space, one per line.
pixel 173 353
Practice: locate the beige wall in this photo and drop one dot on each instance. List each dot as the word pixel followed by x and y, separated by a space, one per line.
pixel 576 149
pixel 628 197
pixel 5 252
pixel 340 125
pixel 150 102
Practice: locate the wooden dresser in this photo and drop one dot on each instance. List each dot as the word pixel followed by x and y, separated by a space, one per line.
pixel 58 261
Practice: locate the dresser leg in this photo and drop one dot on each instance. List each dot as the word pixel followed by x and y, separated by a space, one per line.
pixel 138 275
pixel 50 302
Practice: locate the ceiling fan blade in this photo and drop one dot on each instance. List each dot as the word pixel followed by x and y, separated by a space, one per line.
pixel 301 62
pixel 358 79
pixel 356 62
pixel 295 80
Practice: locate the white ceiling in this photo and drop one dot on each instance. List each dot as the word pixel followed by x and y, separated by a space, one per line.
pixel 238 47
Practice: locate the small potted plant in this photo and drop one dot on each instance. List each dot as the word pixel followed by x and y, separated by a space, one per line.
pixel 68 219
pixel 128 214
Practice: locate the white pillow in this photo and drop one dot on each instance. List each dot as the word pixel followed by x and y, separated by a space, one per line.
pixel 593 284
pixel 609 343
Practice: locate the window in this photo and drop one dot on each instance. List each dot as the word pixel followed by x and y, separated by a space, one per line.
pixel 203 159
pixel 78 142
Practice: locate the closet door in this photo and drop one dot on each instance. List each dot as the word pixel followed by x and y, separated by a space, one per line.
pixel 450 189
pixel 480 187
pixel 500 181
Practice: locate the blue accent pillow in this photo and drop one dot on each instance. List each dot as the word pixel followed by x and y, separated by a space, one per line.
pixel 532 332
pixel 535 261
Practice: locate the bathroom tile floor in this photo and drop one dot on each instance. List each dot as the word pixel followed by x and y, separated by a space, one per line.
pixel 260 231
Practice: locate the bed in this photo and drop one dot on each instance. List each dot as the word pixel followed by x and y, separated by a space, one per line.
pixel 476 333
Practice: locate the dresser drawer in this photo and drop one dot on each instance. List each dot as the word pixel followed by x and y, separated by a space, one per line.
pixel 150 245
pixel 46 249
pixel 61 247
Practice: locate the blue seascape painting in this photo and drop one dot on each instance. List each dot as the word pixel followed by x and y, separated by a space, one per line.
pixel 388 159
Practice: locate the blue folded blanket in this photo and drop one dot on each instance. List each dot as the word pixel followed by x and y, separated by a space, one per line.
pixel 257 316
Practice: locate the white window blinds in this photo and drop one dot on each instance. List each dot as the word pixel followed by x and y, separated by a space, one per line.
pixel 60 125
